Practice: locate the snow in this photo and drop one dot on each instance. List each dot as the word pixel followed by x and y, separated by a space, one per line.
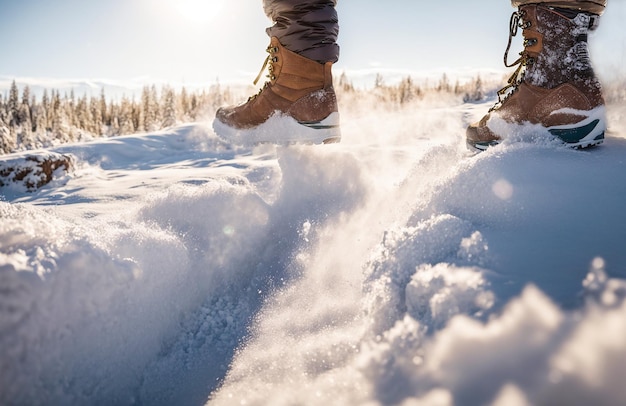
pixel 392 268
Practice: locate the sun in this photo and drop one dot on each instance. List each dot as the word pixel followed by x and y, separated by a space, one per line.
pixel 200 11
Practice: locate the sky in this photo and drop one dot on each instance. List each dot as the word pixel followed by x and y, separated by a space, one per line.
pixel 195 41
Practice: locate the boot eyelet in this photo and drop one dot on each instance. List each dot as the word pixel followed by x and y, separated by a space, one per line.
pixel 275 59
pixel 530 42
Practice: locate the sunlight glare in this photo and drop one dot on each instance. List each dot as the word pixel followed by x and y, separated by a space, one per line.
pixel 200 11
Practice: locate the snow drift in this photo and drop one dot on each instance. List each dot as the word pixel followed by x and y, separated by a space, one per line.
pixel 393 268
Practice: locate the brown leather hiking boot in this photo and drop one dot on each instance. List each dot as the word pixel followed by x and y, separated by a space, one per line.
pixel 297 105
pixel 554 90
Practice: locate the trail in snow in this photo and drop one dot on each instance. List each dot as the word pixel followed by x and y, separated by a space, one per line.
pixel 171 268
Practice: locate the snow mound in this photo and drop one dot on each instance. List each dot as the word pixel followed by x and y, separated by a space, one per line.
pixel 494 290
pixel 392 268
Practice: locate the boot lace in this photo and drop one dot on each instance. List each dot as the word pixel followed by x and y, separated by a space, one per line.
pixel 517 21
pixel 269 64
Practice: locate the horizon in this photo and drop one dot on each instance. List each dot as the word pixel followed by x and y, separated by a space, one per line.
pixel 362 79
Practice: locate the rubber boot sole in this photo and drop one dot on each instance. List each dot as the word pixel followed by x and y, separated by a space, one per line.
pixel 282 130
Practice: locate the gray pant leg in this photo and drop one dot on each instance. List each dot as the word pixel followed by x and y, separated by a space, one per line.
pixel 307 27
pixel 591 6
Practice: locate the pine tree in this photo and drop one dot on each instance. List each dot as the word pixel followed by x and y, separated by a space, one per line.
pixel 70 109
pixel 24 113
pixel 136 115
pixel 344 83
pixel 3 111
pixel 156 108
pixel 83 121
pixel 6 144
pixel 476 92
pixel 103 109
pixel 457 87
pixel 444 83
pixel 184 105
pixel 47 108
pixel 406 90
pixel 193 107
pixel 13 105
pixel 39 124
pixel 125 119
pixel 58 119
pixel 169 107
pixel 379 81
pixel 25 137
pixel 147 108
pixel 114 128
pixel 96 117
pixel 8 139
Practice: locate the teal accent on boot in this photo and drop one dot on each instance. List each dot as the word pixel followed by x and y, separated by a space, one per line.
pixel 575 135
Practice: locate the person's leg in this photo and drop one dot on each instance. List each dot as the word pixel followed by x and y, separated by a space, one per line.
pixel 308 28
pixel 298 103
pixel 590 6
pixel 554 89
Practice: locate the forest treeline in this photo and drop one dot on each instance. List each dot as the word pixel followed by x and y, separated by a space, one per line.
pixel 28 122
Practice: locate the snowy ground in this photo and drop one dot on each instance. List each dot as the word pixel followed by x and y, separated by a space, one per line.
pixel 392 268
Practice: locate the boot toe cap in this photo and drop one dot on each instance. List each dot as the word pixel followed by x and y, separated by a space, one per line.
pixel 479 136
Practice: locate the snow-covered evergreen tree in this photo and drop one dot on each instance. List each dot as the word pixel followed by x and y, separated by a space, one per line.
pixel 104 117
pixel 8 139
pixel 96 117
pixel 39 124
pixel 24 109
pixel 25 139
pixel 46 109
pixel 444 84
pixel 125 119
pixel 13 105
pixel 6 144
pixel 405 90
pixel 83 119
pixel 184 105
pixel 149 103
pixel 476 92
pixel 169 107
